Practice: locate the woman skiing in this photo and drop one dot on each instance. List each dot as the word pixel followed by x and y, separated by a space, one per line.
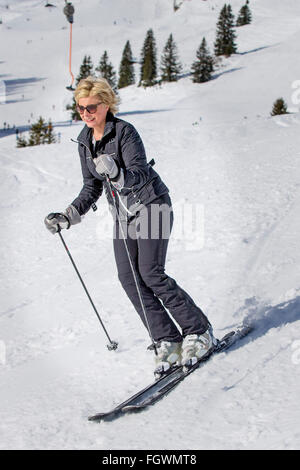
pixel 113 158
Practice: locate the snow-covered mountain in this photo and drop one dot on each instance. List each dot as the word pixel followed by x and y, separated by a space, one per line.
pixel 218 150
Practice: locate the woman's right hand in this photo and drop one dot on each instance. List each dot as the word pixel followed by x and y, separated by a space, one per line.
pixel 56 221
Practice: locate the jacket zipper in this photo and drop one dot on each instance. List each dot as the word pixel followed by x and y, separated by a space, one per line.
pixel 82 143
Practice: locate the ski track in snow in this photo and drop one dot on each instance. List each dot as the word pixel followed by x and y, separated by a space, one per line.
pixel 214 145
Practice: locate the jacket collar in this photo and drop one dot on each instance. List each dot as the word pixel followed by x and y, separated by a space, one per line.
pixel 85 135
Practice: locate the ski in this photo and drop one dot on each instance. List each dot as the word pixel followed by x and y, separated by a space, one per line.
pixel 223 344
pixel 161 387
pixel 139 397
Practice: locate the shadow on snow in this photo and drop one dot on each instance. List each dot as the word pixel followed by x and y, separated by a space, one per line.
pixel 141 111
pixel 16 85
pixel 265 317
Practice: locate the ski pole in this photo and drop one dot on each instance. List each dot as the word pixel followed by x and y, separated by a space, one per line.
pixel 113 345
pixel 136 281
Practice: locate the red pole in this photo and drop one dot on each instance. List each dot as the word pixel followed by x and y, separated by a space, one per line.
pixel 70 57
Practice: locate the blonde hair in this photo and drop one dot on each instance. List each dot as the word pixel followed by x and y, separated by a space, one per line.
pixel 93 86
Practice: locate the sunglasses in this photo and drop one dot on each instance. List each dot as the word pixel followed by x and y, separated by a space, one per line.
pixel 91 108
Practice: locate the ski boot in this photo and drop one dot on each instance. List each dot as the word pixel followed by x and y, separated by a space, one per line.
pixel 168 356
pixel 196 346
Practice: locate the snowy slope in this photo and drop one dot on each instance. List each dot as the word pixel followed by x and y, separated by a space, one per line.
pixel 215 146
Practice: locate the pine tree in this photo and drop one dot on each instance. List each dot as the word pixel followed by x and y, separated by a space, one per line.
pixel 221 31
pixel 106 70
pixel 225 40
pixel 40 133
pixel 126 70
pixel 202 68
pixel 49 137
pixel 21 141
pixel 170 65
pixel 279 107
pixel 245 16
pixel 148 61
pixel 37 132
pixel 85 70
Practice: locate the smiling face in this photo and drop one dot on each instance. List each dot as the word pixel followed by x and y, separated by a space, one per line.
pixel 95 120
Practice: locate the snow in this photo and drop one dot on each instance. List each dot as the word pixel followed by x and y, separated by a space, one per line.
pixel 216 147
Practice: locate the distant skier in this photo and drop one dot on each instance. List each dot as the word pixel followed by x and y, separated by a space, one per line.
pixel 112 153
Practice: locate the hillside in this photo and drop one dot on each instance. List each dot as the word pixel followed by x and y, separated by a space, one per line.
pixel 217 149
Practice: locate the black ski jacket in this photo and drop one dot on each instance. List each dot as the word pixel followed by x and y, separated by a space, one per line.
pixel 142 184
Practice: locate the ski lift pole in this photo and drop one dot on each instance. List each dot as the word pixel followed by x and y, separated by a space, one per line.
pixel 113 345
pixel 70 59
pixel 69 12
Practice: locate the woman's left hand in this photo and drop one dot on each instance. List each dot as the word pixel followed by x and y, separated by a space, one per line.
pixel 106 165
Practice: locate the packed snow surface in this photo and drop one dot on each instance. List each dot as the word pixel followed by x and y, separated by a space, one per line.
pixel 219 151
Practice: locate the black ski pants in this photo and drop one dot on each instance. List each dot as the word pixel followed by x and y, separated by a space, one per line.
pixel 147 237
